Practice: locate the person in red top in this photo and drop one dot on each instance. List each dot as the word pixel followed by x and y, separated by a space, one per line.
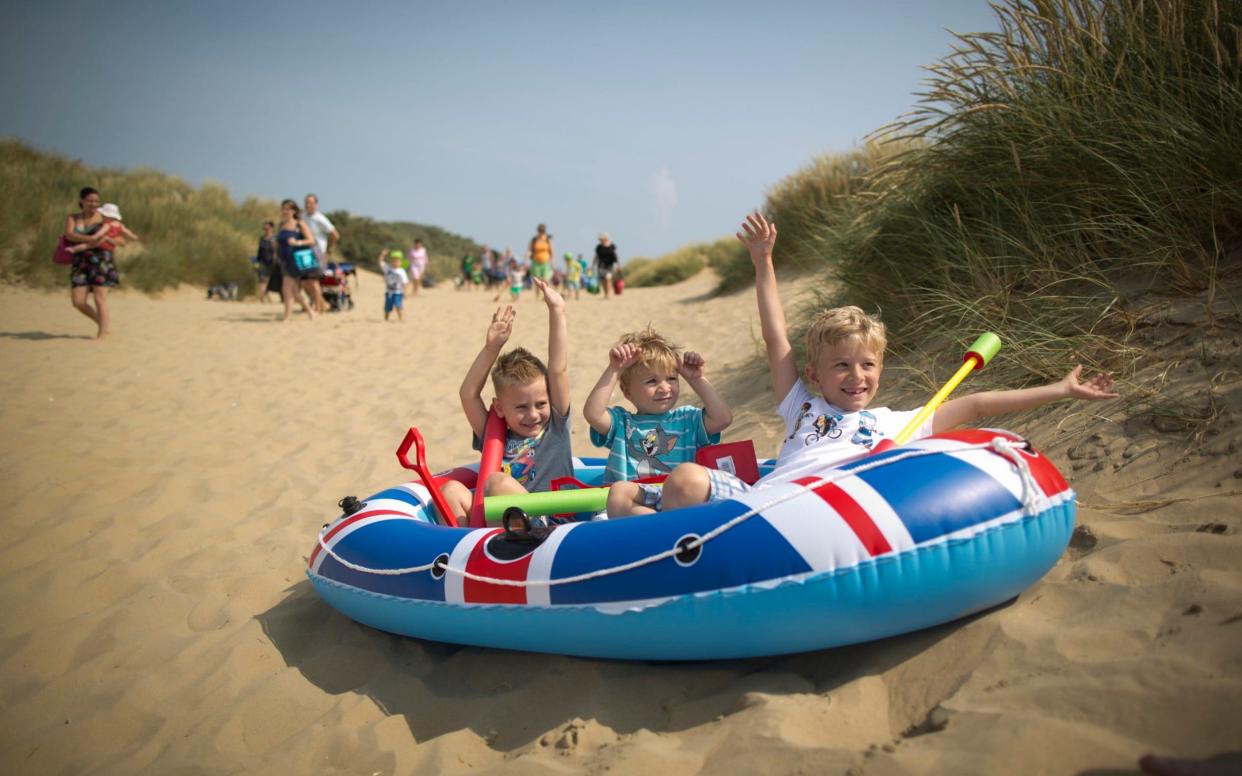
pixel 112 228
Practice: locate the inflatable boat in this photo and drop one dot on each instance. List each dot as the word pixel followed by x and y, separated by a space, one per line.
pixel 900 540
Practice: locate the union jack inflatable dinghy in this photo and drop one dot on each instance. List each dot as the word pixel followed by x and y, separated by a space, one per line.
pixel 901 540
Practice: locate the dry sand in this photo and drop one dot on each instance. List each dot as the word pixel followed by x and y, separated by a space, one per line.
pixel 167 486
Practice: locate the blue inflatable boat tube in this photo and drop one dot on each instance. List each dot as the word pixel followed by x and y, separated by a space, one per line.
pixel 901 540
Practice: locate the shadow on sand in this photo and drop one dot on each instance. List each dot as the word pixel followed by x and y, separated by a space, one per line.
pixel 440 688
pixel 40 335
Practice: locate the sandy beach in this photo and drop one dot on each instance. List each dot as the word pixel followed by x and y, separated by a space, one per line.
pixel 168 483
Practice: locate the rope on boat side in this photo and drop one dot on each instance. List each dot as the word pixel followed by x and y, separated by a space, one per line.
pixel 1031 495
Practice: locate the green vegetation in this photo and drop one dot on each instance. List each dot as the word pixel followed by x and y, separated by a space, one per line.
pixel 198 236
pixel 1056 172
pixel 1082 156
pixel 682 263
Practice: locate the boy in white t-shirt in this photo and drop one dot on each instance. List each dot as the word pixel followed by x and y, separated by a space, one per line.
pixel 827 413
pixel 395 281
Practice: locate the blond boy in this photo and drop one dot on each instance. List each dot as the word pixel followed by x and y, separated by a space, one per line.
pixel 827 413
pixel 533 401
pixel 659 437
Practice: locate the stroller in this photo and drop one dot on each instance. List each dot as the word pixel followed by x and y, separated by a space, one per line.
pixel 335 285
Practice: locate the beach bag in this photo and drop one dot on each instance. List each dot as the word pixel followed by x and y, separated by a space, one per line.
pixel 62 255
pixel 304 260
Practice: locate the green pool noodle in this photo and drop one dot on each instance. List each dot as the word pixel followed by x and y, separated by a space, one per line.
pixel 985 348
pixel 553 502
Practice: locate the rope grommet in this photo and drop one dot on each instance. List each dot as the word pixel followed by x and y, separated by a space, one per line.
pixel 439 566
pixel 688 550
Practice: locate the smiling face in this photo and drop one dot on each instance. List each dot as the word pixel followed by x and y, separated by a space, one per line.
pixel 90 203
pixel 524 407
pixel 653 390
pixel 847 374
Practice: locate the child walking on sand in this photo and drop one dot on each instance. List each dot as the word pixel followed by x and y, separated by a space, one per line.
pixel 659 436
pixel 533 400
pixel 395 282
pixel 828 415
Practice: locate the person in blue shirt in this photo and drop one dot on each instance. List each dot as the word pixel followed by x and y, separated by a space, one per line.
pixel 658 435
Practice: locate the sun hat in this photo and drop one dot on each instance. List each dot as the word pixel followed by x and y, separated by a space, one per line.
pixel 110 210
pixel 603 236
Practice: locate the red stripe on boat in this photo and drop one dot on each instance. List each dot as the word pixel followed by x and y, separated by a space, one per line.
pixel 852 513
pixel 347 522
pixel 486 593
pixel 1050 480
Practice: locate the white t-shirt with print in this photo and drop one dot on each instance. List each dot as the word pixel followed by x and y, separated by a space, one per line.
pixel 395 279
pixel 818 434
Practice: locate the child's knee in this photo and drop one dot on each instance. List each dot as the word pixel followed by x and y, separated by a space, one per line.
pixel 626 498
pixel 688 484
pixel 457 496
pixel 501 484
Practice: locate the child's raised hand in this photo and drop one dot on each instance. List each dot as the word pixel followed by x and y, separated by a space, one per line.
pixel 551 296
pixel 759 237
pixel 502 325
pixel 623 355
pixel 1096 387
pixel 690 365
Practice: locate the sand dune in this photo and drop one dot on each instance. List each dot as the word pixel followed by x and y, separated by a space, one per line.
pixel 166 486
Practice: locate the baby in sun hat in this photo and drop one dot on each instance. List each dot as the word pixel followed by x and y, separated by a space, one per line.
pixel 112 226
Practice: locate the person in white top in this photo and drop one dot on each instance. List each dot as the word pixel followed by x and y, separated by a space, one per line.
pixel 827 413
pixel 326 238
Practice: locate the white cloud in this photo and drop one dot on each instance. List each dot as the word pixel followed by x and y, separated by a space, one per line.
pixel 663 196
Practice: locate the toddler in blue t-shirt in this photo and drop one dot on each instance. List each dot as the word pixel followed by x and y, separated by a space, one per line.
pixel 658 436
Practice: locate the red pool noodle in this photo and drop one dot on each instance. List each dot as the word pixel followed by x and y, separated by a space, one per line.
pixel 489 464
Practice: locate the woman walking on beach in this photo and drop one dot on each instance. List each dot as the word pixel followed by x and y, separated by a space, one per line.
pixel 94 269
pixel 540 255
pixel 605 263
pixel 294 234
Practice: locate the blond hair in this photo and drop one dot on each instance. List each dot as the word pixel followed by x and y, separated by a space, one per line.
pixel 517 367
pixel 655 352
pixel 838 324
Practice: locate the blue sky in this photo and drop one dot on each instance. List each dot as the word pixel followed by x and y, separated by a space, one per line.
pixel 661 123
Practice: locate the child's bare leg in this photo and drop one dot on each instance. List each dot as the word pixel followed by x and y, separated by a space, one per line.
pixel 686 486
pixel 458 498
pixel 501 484
pixel 625 499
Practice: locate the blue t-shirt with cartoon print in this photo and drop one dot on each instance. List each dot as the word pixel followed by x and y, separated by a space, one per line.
pixel 650 445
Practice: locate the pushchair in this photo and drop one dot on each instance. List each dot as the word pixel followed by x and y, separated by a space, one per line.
pixel 335 285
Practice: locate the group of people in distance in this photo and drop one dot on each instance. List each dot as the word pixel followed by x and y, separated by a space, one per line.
pixel 293 256
pixel 826 407
pixel 507 272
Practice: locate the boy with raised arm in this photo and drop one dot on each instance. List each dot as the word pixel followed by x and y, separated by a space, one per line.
pixel 659 437
pixel 827 413
pixel 532 399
